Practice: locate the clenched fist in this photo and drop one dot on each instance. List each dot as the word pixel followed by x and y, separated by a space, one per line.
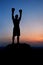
pixel 13 9
pixel 20 10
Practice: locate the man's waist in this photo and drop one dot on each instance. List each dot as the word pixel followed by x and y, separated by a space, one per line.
pixel 16 26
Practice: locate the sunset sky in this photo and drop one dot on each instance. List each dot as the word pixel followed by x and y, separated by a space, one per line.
pixel 31 24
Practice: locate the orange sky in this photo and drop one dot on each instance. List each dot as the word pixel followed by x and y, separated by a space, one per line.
pixel 32 37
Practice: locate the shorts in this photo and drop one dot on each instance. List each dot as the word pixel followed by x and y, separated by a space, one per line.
pixel 16 31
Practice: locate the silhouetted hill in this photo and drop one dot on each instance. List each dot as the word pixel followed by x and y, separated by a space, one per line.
pixel 23 47
pixel 20 45
pixel 21 51
pixel 15 46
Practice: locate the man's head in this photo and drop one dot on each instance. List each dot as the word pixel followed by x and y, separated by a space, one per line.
pixel 16 16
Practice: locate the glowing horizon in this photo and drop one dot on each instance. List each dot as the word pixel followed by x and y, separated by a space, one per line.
pixel 25 37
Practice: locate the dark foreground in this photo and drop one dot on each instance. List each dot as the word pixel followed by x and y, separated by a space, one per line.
pixel 22 52
pixel 21 47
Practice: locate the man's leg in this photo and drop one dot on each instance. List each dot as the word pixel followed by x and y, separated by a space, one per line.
pixel 18 39
pixel 13 40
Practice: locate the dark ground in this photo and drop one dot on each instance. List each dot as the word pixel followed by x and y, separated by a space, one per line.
pixel 23 47
pixel 21 52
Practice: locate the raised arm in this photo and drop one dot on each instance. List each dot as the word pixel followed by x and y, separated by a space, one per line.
pixel 13 9
pixel 20 11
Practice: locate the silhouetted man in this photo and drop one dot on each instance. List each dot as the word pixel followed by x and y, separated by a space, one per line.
pixel 16 22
